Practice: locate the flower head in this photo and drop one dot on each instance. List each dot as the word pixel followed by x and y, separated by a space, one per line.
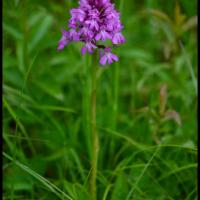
pixel 94 21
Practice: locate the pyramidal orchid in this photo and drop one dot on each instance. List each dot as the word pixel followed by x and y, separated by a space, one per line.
pixel 92 23
pixel 95 23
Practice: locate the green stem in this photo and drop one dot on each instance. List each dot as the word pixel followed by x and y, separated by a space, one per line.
pixel 95 139
pixel 86 105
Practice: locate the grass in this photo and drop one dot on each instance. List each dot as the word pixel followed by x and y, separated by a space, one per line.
pixel 146 105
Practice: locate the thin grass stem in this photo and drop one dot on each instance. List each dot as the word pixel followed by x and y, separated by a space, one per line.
pixel 189 64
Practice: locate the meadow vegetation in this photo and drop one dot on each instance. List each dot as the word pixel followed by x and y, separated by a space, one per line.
pixel 146 105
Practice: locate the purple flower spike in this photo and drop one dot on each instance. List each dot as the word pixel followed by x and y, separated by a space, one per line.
pixel 91 22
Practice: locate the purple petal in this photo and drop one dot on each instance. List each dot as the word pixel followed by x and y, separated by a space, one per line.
pixel 98 36
pixel 103 60
pixel 110 61
pixel 114 57
pixel 83 50
pixel 118 38
pixel 62 43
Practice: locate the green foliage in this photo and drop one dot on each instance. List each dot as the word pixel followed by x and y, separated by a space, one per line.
pixel 146 105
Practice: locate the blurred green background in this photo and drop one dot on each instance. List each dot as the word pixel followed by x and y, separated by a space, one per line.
pixel 146 105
